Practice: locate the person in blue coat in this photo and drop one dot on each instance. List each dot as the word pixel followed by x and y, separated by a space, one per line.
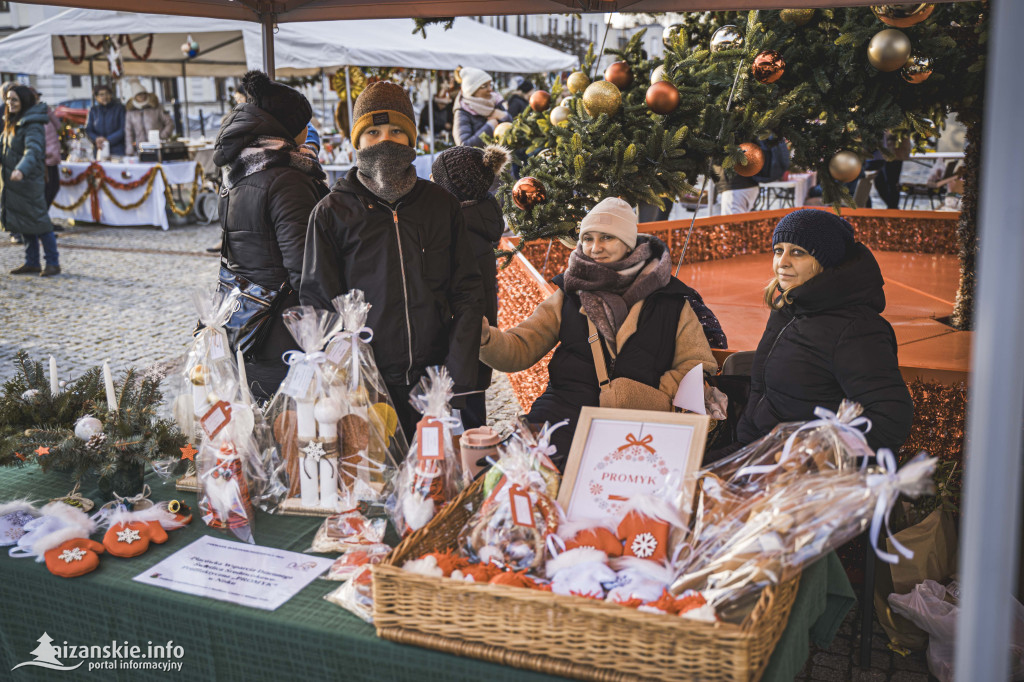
pixel 106 121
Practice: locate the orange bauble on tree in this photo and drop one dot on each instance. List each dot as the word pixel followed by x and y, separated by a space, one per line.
pixel 620 74
pixel 755 160
pixel 540 100
pixel 528 192
pixel 662 98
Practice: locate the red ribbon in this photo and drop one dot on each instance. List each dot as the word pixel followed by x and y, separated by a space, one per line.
pixel 631 441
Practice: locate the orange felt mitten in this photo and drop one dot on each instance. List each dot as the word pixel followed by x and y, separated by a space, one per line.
pixel 128 539
pixel 597 537
pixel 74 558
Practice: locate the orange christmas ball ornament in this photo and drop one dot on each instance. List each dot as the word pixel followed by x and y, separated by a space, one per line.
pixel 528 192
pixel 620 74
pixel 540 100
pixel 755 160
pixel 768 66
pixel 662 98
pixel 903 15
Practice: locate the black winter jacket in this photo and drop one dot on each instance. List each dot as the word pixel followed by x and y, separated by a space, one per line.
pixel 264 218
pixel 485 225
pixel 415 264
pixel 831 343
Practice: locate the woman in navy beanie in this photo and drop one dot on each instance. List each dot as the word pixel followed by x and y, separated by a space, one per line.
pixel 826 339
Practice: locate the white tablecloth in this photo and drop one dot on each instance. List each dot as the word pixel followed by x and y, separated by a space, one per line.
pixel 800 183
pixel 152 212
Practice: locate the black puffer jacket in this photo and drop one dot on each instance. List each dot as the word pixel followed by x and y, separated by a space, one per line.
pixel 416 267
pixel 831 343
pixel 264 217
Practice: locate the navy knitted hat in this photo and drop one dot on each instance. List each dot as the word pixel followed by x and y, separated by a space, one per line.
pixel 823 234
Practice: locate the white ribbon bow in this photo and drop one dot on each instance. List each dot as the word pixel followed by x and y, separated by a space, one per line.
pixel 912 479
pixel 826 417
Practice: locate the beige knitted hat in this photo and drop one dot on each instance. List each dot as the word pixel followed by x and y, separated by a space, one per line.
pixel 612 216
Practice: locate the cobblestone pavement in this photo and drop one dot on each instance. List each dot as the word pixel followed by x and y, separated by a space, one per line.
pixel 124 295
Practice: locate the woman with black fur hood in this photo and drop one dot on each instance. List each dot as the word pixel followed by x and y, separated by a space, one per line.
pixel 468 173
pixel 270 189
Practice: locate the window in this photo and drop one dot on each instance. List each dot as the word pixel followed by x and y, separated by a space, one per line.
pixel 623 41
pixel 593 32
pixel 5 7
pixel 504 24
pixel 76 81
pixel 519 25
pixel 552 24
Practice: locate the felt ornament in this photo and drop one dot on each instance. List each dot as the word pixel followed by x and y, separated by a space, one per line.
pixel 13 517
pixel 582 571
pixel 597 537
pixel 638 579
pixel 424 566
pixel 73 558
pixel 645 527
pixel 513 579
pixel 449 561
pixel 476 573
pixel 129 533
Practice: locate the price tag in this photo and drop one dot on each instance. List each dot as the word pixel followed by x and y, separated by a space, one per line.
pixel 216 418
pixel 430 439
pixel 522 508
pixel 298 381
pixel 217 349
pixel 336 350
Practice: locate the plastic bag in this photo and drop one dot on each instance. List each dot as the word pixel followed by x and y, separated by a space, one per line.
pixel 307 418
pixel 372 441
pixel 356 594
pixel 430 476
pixel 769 537
pixel 348 530
pixel 354 560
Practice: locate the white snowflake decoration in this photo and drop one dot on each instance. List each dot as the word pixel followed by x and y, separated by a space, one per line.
pixel 69 555
pixel 644 545
pixel 128 535
pixel 315 449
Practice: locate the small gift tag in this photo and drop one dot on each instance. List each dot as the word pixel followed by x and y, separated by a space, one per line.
pixel 335 352
pixel 217 349
pixel 429 439
pixel 522 508
pixel 298 381
pixel 216 418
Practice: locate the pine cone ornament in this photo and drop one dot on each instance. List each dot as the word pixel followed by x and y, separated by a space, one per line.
pixel 96 442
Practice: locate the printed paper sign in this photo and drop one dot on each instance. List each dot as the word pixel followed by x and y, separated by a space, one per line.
pixel 237 572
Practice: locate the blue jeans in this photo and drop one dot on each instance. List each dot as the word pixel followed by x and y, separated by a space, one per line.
pixel 49 242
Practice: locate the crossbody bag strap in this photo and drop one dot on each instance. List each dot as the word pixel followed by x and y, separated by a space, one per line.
pixel 597 348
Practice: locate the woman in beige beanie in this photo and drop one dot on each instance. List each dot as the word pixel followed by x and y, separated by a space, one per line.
pixel 617 309
pixel 478 108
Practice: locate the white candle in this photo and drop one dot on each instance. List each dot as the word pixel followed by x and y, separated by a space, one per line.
pixel 244 394
pixel 327 414
pixel 310 469
pixel 108 382
pixel 54 387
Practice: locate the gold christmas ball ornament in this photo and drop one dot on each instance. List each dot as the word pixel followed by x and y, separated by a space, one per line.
pixel 501 129
pixel 662 98
pixel 844 167
pixel 528 192
pixel 889 50
pixel 577 82
pixel 903 15
pixel 916 70
pixel 768 66
pixel 540 100
pixel 670 35
pixel 726 38
pixel 755 160
pixel 658 74
pixel 602 97
pixel 568 242
pixel 560 115
pixel 619 73
pixel 796 17
pixel 199 375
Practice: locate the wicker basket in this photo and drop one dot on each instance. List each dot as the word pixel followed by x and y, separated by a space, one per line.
pixel 568 636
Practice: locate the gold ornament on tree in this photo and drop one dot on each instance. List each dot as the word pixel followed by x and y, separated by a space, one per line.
pixel 560 115
pixel 796 17
pixel 768 66
pixel 662 98
pixel 889 50
pixel 619 73
pixel 577 82
pixel 755 160
pixel 658 74
pixel 602 97
pixel 726 38
pixel 671 34
pixel 540 100
pixel 844 167
pixel 916 70
pixel 903 15
pixel 528 192
pixel 502 129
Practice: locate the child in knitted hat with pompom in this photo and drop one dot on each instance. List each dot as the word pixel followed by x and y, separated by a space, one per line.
pixel 468 173
pixel 403 242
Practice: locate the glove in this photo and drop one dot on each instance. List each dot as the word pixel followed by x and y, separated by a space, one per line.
pixel 73 558
pixel 133 538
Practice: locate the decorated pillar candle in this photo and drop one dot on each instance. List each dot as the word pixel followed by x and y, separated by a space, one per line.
pixel 327 413
pixel 54 386
pixel 310 447
pixel 108 383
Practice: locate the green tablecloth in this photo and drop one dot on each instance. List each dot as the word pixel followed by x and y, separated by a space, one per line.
pixel 306 639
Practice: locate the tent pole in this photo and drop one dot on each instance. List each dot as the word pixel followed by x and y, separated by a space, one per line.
pixel 323 97
pixel 348 101
pixel 92 77
pixel 267 23
pixel 187 128
pixel 430 111
pixel 992 496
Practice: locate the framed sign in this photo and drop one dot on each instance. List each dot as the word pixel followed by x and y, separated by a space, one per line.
pixel 617 454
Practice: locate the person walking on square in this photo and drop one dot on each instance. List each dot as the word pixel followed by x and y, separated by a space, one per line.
pixel 468 173
pixel 270 189
pixel 403 242
pixel 23 208
pixel 106 121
